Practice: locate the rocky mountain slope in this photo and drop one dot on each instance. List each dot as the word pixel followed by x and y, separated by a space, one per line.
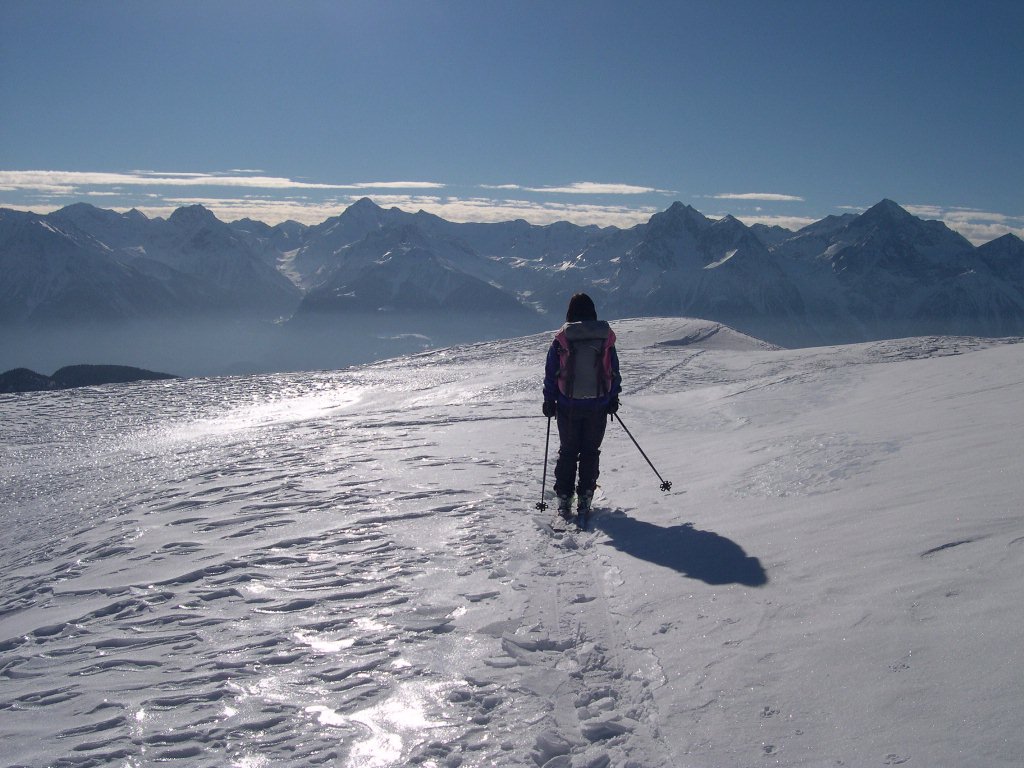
pixel 880 274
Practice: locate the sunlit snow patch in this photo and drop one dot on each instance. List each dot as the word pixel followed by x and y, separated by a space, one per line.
pixel 251 761
pixel 391 726
pixel 324 646
pixel 266 413
pixel 366 624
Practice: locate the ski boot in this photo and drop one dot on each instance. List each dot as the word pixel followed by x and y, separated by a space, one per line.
pixel 584 500
pixel 584 506
pixel 565 508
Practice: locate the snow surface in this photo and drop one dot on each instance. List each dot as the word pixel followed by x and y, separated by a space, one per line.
pixel 346 568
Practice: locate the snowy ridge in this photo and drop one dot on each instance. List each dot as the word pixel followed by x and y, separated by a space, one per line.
pixel 346 568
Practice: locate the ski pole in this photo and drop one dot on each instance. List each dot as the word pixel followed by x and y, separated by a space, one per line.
pixel 666 485
pixel 542 505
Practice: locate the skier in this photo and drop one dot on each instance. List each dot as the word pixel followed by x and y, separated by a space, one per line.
pixel 581 387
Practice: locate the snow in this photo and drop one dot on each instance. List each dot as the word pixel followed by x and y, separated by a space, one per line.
pixel 49 227
pixel 346 568
pixel 721 261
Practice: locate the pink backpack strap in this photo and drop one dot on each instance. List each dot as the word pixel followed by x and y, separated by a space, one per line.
pixel 564 371
pixel 606 361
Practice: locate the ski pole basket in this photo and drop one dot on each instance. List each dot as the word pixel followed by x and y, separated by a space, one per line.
pixel 543 505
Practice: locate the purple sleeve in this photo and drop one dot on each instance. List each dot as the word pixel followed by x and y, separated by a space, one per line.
pixel 616 377
pixel 551 366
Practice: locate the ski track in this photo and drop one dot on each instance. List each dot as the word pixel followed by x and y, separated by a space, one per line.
pixel 382 600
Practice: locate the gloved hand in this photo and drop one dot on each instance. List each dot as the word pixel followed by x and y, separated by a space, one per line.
pixel 550 408
pixel 613 406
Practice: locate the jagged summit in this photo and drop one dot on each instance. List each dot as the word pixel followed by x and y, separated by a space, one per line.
pixel 888 222
pixel 364 213
pixel 887 210
pixel 193 217
pixel 363 204
pixel 680 210
pixel 678 219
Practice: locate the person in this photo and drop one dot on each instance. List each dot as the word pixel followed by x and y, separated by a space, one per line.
pixel 581 387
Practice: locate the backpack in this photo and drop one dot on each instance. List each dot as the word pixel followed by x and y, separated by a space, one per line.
pixel 585 368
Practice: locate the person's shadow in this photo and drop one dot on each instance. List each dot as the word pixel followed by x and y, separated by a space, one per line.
pixel 694 553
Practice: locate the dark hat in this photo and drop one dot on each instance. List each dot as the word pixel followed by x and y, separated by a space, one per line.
pixel 581 307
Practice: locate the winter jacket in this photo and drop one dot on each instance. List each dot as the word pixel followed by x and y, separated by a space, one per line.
pixel 582 366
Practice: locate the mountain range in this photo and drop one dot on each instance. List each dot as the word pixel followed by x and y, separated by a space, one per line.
pixel 883 273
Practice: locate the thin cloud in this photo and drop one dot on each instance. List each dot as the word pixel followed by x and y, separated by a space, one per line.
pixel 68 182
pixel 924 211
pixel 957 214
pixel 42 210
pixel 394 185
pixel 764 197
pixel 977 226
pixel 593 188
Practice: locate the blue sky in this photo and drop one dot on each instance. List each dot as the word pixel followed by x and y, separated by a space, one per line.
pixel 594 112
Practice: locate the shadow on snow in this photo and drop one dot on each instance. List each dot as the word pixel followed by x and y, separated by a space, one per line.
pixel 694 553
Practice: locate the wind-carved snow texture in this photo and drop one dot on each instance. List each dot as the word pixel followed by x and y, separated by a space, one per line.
pixel 346 568
pixel 812 464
